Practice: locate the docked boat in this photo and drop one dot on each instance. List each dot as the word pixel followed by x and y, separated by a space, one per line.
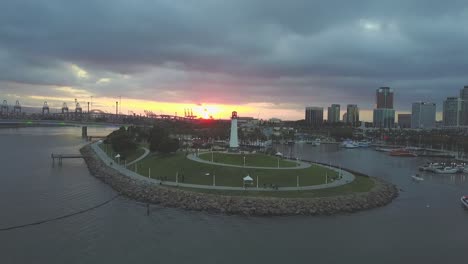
pixel 317 142
pixel 363 144
pixel 464 200
pixel 349 144
pixel 402 153
pixel 417 177
pixel 447 170
pixel 384 149
pixel 431 167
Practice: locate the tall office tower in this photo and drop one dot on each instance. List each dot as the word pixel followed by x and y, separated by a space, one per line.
pixel 334 113
pixel 452 112
pixel 384 114
pixel 352 112
pixel 384 96
pixel 423 115
pixel 314 115
pixel 464 106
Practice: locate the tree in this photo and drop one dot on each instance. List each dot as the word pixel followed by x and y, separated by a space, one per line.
pixel 156 137
pixel 160 141
pixel 121 141
pixel 169 145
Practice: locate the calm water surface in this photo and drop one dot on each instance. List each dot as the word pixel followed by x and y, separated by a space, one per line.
pixel 426 224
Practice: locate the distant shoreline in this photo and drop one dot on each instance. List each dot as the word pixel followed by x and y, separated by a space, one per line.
pixel 33 125
pixel 380 195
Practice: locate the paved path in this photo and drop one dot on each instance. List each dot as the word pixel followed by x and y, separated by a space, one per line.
pixel 346 178
pixel 147 151
pixel 302 165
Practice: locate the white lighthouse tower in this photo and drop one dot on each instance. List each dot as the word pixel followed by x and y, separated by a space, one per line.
pixel 234 141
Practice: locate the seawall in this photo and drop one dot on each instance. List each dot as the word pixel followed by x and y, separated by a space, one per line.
pixel 382 194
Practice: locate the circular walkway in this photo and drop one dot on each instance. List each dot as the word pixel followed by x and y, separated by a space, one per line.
pixel 301 164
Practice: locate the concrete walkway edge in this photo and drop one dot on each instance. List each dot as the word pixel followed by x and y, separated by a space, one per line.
pixel 346 178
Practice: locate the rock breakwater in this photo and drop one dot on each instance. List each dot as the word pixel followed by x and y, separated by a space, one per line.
pixel 381 194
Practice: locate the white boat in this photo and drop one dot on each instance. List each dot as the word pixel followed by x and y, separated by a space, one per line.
pixel 317 142
pixel 417 177
pixel 431 167
pixel 363 144
pixel 384 149
pixel 349 144
pixel 446 170
pixel 464 200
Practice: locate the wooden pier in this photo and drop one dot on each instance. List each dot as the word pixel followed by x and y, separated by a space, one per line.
pixel 60 157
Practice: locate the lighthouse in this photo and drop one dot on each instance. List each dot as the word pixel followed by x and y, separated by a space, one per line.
pixel 234 141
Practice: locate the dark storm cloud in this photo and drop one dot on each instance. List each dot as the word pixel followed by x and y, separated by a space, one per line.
pixel 280 52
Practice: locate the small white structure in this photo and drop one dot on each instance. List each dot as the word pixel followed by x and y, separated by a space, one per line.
pixel 279 154
pixel 234 140
pixel 248 180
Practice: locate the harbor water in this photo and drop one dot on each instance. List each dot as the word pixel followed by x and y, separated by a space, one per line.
pixel 425 224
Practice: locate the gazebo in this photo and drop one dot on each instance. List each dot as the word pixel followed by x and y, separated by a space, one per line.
pixel 247 180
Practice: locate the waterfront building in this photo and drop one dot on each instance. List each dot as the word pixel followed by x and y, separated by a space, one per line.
pixel 352 114
pixel 423 115
pixel 314 115
pixel 404 120
pixel 384 96
pixel 274 120
pixel 334 113
pixel 384 118
pixel 452 112
pixel 234 140
pixel 384 114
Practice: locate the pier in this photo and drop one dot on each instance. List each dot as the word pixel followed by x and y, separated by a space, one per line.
pixel 60 157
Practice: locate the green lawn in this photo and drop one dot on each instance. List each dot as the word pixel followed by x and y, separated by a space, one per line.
pixel 166 167
pixel 360 184
pixel 255 160
pixel 129 156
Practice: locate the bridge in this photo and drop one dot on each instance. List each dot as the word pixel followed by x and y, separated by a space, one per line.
pixel 60 157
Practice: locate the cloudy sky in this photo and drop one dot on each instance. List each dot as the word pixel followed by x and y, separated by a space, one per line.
pixel 261 57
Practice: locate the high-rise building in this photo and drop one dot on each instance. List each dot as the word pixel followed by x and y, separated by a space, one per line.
pixel 384 114
pixel 334 113
pixel 404 120
pixel 314 116
pixel 384 98
pixel 384 118
pixel 452 112
pixel 464 106
pixel 345 118
pixel 352 112
pixel 423 115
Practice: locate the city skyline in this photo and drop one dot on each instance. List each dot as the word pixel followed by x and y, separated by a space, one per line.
pixel 276 60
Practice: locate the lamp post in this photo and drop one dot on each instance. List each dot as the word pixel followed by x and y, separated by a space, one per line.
pixel 244 161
